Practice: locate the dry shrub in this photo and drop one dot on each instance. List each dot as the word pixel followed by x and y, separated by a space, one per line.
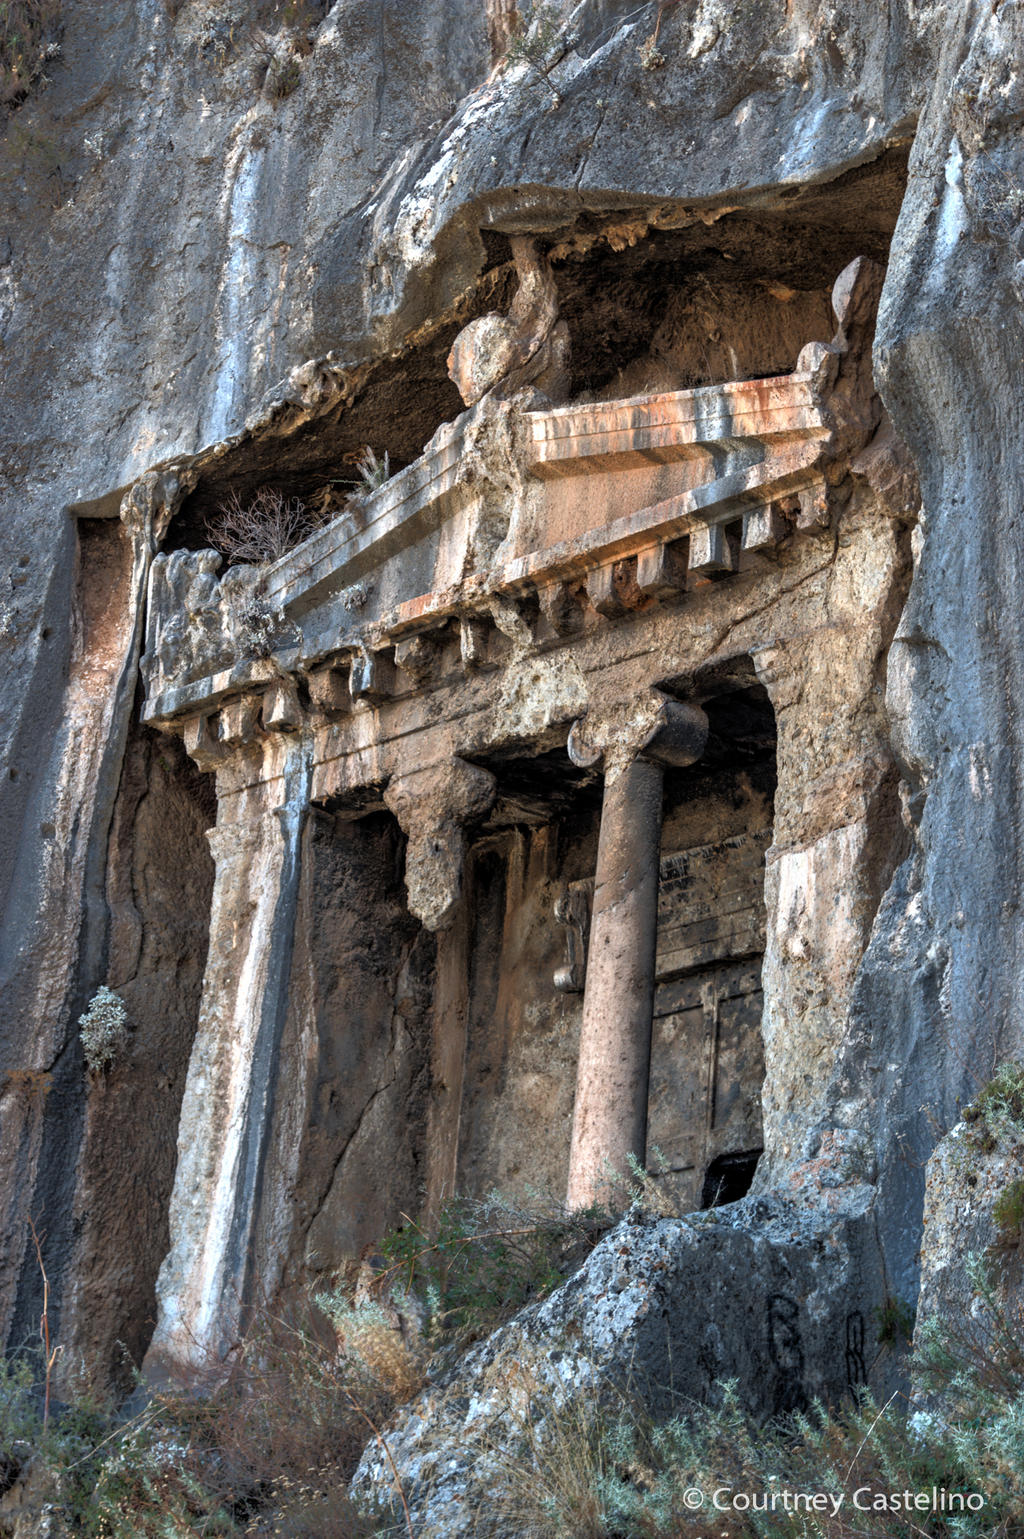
pixel 580 1472
pixel 596 1468
pixel 291 1415
pixel 381 1343
pixel 262 529
pixel 29 32
pixel 266 1448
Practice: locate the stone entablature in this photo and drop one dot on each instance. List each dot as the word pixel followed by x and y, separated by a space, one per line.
pixel 579 513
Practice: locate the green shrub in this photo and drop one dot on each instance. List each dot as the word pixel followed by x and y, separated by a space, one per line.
pixel 1000 1105
pixel 537 41
pixel 486 1258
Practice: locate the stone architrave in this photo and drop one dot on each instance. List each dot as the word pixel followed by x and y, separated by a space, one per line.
pixel 206 1282
pixel 610 1112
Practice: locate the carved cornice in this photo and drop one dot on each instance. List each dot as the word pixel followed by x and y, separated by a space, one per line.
pixel 526 526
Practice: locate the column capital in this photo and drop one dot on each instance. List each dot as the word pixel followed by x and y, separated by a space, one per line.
pixel 652 727
pixel 433 807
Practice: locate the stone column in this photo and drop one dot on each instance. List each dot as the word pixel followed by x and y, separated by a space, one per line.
pixel 206 1283
pixel 610 1114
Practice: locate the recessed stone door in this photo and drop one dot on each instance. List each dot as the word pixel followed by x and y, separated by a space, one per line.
pixel 707 1068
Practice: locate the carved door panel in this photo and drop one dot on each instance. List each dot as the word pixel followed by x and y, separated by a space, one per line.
pixel 677 1104
pixel 707 1066
pixel 739 1062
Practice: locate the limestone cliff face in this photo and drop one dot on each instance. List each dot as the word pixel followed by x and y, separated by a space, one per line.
pixel 208 286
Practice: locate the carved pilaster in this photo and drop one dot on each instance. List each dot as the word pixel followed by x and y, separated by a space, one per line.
pixel 220 1194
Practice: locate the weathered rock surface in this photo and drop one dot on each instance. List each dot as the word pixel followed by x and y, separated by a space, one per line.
pixel 939 994
pixel 768 1292
pixel 972 1265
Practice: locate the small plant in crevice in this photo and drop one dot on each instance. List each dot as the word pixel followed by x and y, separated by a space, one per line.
pixel 894 1322
pixel 276 34
pixel 997 1111
pixel 1000 1103
pixel 1008 1216
pixel 651 56
pixel 262 529
pixel 279 70
pixel 104 1030
pixel 373 472
pixel 283 77
pixel 538 41
pixel 29 40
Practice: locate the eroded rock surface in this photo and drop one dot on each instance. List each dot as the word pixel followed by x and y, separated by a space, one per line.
pixel 972 1267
